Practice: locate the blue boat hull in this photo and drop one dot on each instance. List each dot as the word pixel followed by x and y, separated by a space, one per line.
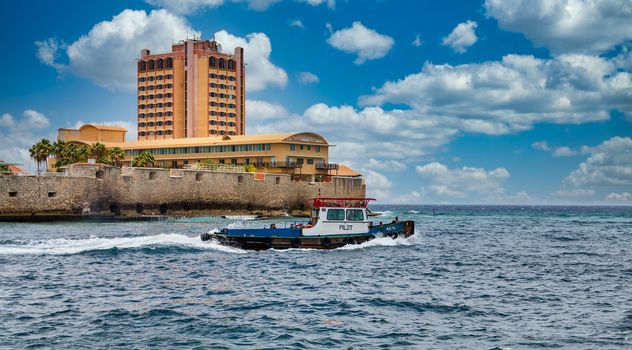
pixel 285 238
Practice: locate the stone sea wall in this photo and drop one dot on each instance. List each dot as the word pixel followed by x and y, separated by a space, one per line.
pixel 105 190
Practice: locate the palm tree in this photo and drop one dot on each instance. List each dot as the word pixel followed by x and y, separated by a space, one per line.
pixel 40 152
pixel 143 160
pixel 58 148
pixel 116 154
pixel 98 151
pixel 82 154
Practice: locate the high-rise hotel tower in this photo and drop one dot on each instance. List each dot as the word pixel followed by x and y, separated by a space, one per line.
pixel 193 91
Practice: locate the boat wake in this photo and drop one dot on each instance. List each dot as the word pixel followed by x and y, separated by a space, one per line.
pixel 63 246
pixel 384 242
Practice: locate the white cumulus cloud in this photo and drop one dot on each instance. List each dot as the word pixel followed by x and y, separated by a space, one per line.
pixel 619 197
pixel 462 182
pixel 308 78
pixel 260 112
pixel 17 135
pixel 609 165
pixel 566 26
pixel 510 95
pixel 462 37
pixel 366 43
pixel 260 72
pixel 191 6
pixel 297 23
pixel 107 53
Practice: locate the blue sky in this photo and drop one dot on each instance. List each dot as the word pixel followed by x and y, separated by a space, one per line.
pixel 515 102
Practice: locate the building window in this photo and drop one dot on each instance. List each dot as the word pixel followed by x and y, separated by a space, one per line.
pixel 309 148
pixel 141 106
pixel 168 132
pixel 212 104
pixel 213 85
pixel 212 122
pixel 151 66
pixel 211 62
pixel 159 77
pixel 355 215
pixel 141 133
pixel 317 148
pixel 336 214
pixel 169 76
pixel 310 161
pixel 168 104
pixel 142 66
pixel 160 64
pixel 169 123
pixel 240 178
pixel 168 113
pixel 13 194
pixel 169 86
pixel 169 62
pixel 292 147
pixel 222 63
pixel 212 132
pixel 212 94
pixel 231 65
pixel 302 147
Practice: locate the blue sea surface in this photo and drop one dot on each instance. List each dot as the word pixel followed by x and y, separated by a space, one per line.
pixel 473 277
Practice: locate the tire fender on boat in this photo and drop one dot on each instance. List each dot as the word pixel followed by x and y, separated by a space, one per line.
pixel 295 243
pixel 267 242
pixel 325 242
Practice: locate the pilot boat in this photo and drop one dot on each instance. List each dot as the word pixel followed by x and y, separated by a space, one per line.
pixel 334 222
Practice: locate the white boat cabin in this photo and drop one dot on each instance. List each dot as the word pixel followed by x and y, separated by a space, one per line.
pixel 338 216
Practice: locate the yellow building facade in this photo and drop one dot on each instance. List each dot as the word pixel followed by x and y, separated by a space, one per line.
pixel 196 90
pixel 91 133
pixel 302 154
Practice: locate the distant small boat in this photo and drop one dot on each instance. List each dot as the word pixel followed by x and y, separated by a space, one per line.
pixel 334 222
pixel 240 217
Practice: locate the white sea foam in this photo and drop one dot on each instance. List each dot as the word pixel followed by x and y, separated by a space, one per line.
pixel 62 246
pixel 384 242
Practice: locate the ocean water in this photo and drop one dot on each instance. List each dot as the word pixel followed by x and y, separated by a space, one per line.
pixel 471 277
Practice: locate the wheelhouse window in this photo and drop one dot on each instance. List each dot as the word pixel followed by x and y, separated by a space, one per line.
pixel 336 214
pixel 355 215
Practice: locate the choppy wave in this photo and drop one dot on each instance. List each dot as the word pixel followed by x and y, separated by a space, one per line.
pixel 62 246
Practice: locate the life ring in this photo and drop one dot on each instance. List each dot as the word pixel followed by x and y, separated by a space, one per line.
pixel 295 243
pixel 326 242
